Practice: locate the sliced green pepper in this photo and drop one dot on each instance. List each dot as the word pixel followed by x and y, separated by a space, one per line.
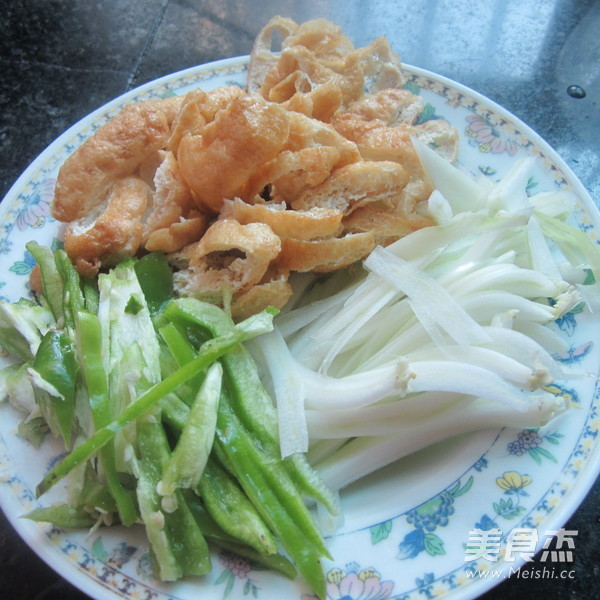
pixel 213 532
pixel 156 280
pixel 252 403
pixel 177 542
pixel 207 354
pixel 52 280
pixel 184 466
pixel 232 510
pixel 279 505
pixel 63 516
pixel 56 363
pixel 90 352
pixel 73 298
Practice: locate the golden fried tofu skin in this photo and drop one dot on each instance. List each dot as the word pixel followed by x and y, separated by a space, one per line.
pixel 229 258
pixel 218 163
pixel 113 231
pixel 382 124
pixel 306 169
pixel 117 149
pixel 311 152
pixel 197 110
pixel 317 222
pixel 318 70
pixel 322 256
pixel 355 185
pixel 275 293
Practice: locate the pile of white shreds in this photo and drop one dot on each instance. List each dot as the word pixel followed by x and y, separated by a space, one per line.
pixel 446 331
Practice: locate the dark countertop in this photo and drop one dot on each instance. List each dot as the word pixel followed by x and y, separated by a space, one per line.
pixel 61 59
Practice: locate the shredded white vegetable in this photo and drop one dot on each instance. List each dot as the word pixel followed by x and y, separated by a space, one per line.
pixel 362 455
pixel 448 331
pixel 288 390
pixel 426 295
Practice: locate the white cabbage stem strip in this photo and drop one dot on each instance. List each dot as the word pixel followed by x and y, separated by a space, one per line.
pixel 508 368
pixel 510 192
pixel 484 305
pixel 352 391
pixel 379 419
pixel 319 450
pixel 489 374
pixel 317 344
pixel 542 258
pixel 462 192
pixel 344 336
pixel 525 349
pixel 421 246
pixel 288 389
pixel 363 455
pixel 448 332
pixel 549 339
pixel 428 295
pixel 294 320
pixel 509 278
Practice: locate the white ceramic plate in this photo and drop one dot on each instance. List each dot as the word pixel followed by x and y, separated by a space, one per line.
pixel 405 527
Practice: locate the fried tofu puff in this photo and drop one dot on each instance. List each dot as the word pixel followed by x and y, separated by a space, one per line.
pixel 316 222
pixel 197 110
pixel 312 151
pixel 318 69
pixel 219 163
pixel 96 197
pixel 115 150
pixel 382 124
pixel 172 220
pixel 253 144
pixel 374 196
pixel 275 292
pixel 113 234
pixel 229 261
pixel 325 255
pixel 306 170
pixel 355 185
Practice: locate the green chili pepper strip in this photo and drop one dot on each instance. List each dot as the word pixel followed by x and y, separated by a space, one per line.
pixel 260 479
pixel 225 500
pixel 274 472
pixel 231 509
pixel 73 299
pixel 213 532
pixel 90 348
pixel 156 280
pixel 207 354
pixel 228 503
pixel 51 278
pixel 56 363
pixel 91 295
pixel 175 537
pixel 252 403
pixel 63 516
pixel 184 467
pixel 180 347
pixel 182 351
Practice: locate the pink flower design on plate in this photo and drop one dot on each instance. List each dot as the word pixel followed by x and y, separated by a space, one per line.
pixel 37 207
pixel 366 585
pixel 488 138
pixel 238 566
